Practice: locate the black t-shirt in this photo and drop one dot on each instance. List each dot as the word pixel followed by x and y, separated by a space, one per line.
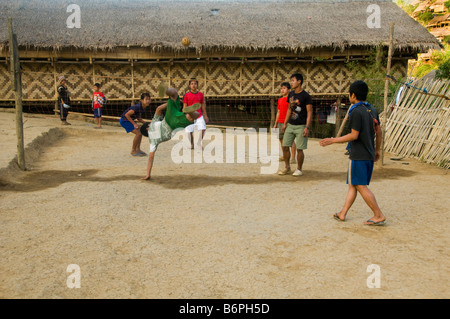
pixel 362 120
pixel 299 113
pixel 63 93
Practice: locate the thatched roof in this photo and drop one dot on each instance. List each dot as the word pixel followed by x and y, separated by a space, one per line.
pixel 251 25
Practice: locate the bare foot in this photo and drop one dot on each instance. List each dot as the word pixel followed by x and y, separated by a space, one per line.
pixel 146 178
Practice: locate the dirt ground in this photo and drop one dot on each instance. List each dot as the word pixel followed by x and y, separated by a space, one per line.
pixel 209 230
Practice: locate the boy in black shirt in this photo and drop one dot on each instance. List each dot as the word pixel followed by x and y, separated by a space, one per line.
pixel 365 126
pixel 296 125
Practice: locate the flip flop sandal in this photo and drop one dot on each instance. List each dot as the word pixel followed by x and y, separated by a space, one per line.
pixel 372 223
pixel 337 217
pixel 139 154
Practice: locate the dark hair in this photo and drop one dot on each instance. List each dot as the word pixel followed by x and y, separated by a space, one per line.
pixel 298 76
pixel 360 89
pixel 144 128
pixel 97 85
pixel 146 94
pixel 286 84
pixel 193 79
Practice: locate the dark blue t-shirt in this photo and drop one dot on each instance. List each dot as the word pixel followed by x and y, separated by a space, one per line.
pixel 138 110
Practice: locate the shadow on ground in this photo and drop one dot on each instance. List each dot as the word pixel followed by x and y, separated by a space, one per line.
pixel 40 180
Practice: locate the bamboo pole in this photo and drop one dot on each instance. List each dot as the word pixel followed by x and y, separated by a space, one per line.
pixel 338 115
pixel 343 124
pixel 386 88
pixel 272 112
pixel 16 79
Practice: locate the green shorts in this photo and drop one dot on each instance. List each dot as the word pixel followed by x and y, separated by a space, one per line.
pixel 280 134
pixel 158 131
pixel 295 132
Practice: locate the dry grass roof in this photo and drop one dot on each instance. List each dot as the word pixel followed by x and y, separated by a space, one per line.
pixel 160 25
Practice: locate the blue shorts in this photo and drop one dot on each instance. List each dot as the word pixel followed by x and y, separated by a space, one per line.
pixel 359 172
pixel 98 112
pixel 127 125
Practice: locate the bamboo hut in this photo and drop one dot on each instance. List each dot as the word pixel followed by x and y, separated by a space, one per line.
pixel 239 50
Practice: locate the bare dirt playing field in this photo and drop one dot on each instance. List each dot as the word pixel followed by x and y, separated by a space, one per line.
pixel 209 230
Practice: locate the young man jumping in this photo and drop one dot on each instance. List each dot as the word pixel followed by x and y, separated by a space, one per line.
pixel 163 128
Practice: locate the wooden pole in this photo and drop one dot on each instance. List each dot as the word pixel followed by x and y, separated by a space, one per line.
pixel 272 112
pixel 343 124
pixel 338 115
pixel 386 88
pixel 16 78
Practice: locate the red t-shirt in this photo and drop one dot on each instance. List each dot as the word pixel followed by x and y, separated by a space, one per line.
pixel 95 99
pixel 191 98
pixel 283 105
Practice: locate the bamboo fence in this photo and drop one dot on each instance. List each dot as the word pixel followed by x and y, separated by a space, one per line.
pixel 419 125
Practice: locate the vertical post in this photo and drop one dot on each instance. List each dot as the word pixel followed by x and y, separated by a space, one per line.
pixel 272 112
pixel 132 79
pixel 16 78
pixel 55 86
pixel 386 88
pixel 338 115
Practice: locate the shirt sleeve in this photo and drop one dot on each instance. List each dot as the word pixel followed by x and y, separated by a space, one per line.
pixel 308 100
pixel 355 121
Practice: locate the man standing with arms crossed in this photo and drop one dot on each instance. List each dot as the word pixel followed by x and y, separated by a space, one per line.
pixel 192 97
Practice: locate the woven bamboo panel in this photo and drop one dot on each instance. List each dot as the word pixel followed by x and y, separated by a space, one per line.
pixel 326 77
pixel 284 70
pixel 257 78
pixel 6 86
pixel 149 78
pixel 399 69
pixel 123 81
pixel 116 80
pixel 223 79
pixel 37 81
pixel 180 74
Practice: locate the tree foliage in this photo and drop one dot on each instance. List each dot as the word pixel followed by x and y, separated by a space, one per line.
pixel 373 71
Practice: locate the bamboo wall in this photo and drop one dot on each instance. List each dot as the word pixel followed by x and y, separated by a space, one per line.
pixel 123 81
pixel 419 126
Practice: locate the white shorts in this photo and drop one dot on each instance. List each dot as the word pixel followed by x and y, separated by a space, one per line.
pixel 199 123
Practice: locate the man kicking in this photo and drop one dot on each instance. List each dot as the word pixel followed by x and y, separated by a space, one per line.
pixel 163 128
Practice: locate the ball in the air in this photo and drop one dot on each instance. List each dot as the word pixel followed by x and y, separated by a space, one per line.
pixel 185 41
